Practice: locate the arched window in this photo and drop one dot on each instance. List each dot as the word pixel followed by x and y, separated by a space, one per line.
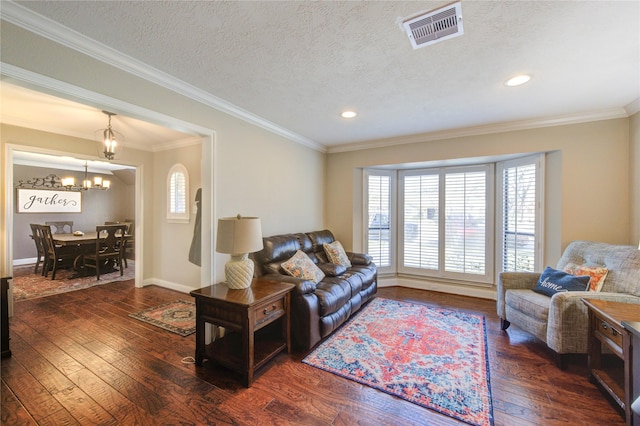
pixel 178 194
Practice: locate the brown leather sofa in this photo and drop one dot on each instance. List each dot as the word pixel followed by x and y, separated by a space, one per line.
pixel 318 309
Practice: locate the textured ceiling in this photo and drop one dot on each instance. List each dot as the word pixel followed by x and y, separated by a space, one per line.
pixel 299 64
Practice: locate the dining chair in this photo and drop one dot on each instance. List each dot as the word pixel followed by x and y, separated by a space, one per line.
pixel 61 227
pixel 109 249
pixel 41 252
pixel 57 255
pixel 130 243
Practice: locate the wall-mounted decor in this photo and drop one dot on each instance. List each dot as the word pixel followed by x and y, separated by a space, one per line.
pixel 48 201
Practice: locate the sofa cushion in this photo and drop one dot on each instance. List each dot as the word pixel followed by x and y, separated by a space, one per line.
pixel 331 269
pixel 597 274
pixel 336 254
pixel 553 281
pixel 276 250
pixel 333 293
pixel 300 266
pixel 534 304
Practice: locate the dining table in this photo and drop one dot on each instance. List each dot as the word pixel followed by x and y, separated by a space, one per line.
pixel 85 243
pixel 75 239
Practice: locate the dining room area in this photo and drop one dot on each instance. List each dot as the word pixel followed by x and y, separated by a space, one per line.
pixel 73 224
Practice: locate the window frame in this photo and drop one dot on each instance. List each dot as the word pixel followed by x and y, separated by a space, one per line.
pixel 441 272
pixel 392 175
pixel 173 216
pixel 539 161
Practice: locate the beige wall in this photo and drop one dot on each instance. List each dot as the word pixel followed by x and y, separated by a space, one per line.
pixel 254 172
pixel 172 263
pixel 634 166
pixel 587 178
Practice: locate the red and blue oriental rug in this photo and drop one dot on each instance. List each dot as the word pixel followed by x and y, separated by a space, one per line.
pixel 436 358
pixel 177 317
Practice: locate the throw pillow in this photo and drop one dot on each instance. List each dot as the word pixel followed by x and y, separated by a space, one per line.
pixel 336 254
pixel 553 281
pixel 301 266
pixel 597 274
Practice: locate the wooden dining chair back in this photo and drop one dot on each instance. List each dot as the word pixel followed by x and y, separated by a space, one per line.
pixel 61 227
pixel 41 251
pixel 129 246
pixel 109 249
pixel 57 256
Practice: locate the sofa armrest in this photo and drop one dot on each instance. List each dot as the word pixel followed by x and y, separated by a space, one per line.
pixel 568 326
pixel 513 280
pixel 359 258
pixel 302 286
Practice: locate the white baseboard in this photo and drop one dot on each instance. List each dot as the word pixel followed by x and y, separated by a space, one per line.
pixel 451 288
pixel 28 261
pixel 168 284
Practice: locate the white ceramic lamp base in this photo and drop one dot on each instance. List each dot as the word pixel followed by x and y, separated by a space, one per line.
pixel 239 271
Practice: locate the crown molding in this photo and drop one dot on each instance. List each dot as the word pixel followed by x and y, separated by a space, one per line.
pixel 633 107
pixel 55 87
pixel 606 114
pixel 45 27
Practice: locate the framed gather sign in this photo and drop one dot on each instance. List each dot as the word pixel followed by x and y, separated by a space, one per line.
pixel 48 201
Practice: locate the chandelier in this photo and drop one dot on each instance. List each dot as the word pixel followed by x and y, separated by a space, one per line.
pixel 109 138
pixel 67 183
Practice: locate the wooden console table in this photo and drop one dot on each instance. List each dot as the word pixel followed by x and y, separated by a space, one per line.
pixel 605 328
pixel 256 322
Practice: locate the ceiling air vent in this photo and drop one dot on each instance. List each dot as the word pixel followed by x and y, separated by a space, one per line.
pixel 435 26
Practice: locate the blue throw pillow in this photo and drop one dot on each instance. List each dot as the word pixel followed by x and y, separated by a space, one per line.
pixel 553 281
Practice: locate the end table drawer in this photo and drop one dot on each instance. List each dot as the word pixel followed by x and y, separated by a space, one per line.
pixel 609 331
pixel 266 312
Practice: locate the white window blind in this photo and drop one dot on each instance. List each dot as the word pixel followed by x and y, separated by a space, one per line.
pixel 421 217
pixel 177 194
pixel 466 215
pixel 520 218
pixel 378 217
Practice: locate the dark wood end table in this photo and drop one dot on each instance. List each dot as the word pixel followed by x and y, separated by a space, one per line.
pixel 605 328
pixel 256 322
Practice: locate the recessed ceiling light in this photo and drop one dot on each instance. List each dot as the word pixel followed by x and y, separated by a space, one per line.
pixel 348 114
pixel 518 80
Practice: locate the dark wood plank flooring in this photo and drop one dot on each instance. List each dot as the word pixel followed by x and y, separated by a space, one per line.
pixel 78 359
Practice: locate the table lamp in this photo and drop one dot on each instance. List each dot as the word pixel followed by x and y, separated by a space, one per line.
pixel 239 236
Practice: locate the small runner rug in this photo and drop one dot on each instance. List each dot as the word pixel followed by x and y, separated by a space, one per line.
pixel 433 357
pixel 177 317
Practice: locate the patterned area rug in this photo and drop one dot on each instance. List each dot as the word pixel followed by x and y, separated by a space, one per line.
pixel 433 357
pixel 178 317
pixel 27 285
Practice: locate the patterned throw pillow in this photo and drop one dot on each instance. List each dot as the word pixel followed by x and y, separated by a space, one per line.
pixel 597 274
pixel 553 281
pixel 301 266
pixel 336 254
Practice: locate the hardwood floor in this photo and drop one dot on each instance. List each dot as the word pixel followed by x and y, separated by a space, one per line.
pixel 79 359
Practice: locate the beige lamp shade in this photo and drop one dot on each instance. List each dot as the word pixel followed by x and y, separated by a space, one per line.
pixel 239 236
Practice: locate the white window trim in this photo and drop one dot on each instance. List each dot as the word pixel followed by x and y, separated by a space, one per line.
pixel 174 217
pixel 539 160
pixel 391 269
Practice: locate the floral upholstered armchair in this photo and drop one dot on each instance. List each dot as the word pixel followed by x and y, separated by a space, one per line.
pixel 561 320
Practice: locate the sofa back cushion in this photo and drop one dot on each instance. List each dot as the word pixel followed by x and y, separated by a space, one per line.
pixel 277 249
pixel 318 238
pixel 623 263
